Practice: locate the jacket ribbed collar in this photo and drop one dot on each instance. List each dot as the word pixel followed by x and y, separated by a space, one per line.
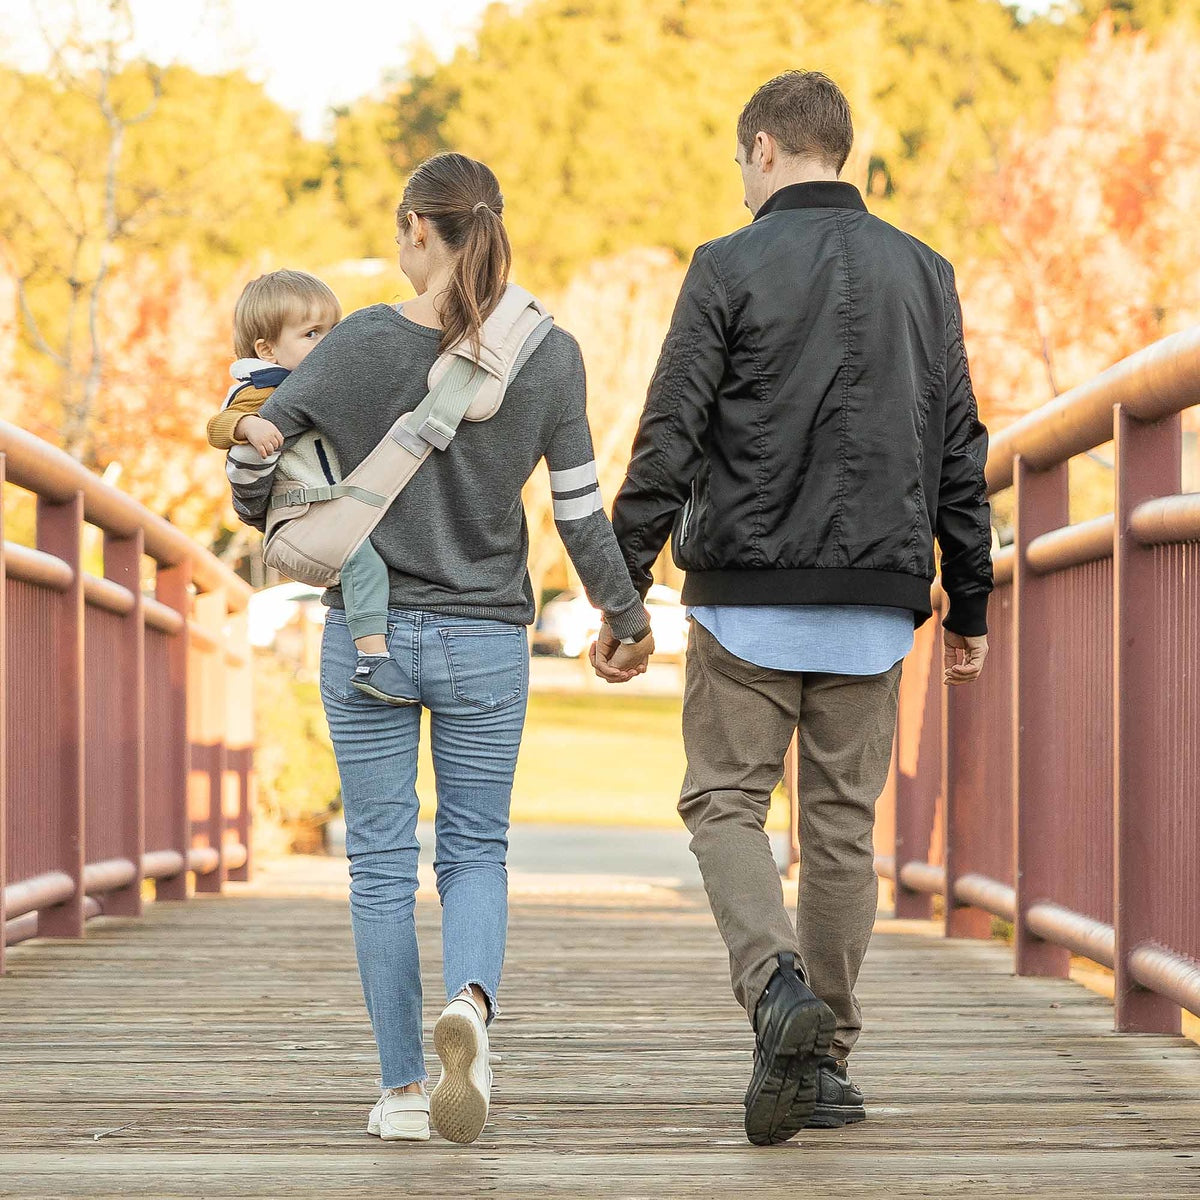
pixel 820 193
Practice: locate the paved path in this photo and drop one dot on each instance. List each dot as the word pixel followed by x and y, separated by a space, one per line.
pixel 219 1049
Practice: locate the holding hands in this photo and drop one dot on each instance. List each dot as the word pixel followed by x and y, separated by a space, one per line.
pixel 617 663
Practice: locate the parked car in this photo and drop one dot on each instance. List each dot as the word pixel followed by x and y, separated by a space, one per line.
pixel 668 619
pixel 273 609
pixel 569 624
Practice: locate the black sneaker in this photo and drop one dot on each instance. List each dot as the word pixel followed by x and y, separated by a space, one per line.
pixel 793 1030
pixel 380 676
pixel 839 1099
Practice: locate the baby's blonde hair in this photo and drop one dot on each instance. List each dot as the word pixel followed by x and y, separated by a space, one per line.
pixel 268 302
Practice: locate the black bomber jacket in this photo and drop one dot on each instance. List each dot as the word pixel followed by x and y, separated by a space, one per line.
pixel 810 427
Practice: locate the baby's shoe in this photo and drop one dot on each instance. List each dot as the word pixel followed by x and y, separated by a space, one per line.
pixel 380 676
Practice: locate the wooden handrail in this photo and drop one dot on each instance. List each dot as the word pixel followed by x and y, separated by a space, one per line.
pixel 1159 381
pixel 49 472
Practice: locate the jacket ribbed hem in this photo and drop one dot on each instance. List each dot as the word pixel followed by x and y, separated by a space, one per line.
pixel 811 585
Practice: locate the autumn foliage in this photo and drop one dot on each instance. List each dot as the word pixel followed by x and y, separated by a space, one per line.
pixel 1092 212
pixel 1054 158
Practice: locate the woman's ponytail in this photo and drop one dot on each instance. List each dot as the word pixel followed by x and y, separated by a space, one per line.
pixel 462 200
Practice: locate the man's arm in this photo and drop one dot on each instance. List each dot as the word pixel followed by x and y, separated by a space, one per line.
pixel 964 529
pixel 669 445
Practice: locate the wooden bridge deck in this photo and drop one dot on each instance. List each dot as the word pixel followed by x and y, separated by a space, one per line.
pixel 224 1044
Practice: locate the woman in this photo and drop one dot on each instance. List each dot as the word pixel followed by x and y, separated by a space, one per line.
pixel 456 545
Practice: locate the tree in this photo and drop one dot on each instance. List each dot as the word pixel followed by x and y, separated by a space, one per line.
pixel 611 122
pixel 108 157
pixel 619 310
pixel 165 343
pixel 1093 206
pixel 70 170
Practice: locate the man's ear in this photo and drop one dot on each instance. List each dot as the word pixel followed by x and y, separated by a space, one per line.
pixel 765 151
pixel 264 350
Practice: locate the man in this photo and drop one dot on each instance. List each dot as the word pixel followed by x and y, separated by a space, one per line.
pixel 809 430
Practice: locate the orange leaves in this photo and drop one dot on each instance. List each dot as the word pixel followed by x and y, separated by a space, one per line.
pixel 166 349
pixel 1094 207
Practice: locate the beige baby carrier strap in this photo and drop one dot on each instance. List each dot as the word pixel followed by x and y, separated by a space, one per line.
pixel 314 526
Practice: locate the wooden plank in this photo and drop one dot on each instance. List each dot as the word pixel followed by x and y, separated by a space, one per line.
pixel 623 1064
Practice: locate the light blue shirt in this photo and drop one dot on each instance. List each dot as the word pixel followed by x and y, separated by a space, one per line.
pixel 835 639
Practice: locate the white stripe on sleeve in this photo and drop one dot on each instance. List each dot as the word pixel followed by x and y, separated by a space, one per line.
pixel 578 508
pixel 575 478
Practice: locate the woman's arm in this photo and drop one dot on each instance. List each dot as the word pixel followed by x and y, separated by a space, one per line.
pixel 580 518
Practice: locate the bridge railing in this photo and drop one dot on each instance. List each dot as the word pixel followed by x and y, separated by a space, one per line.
pixel 1062 791
pixel 126 732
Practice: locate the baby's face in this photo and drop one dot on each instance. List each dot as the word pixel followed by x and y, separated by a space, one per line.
pixel 298 337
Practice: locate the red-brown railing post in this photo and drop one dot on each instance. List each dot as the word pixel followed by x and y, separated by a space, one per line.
pixel 3 720
pixel 123 565
pixel 1148 466
pixel 791 787
pixel 1041 506
pixel 206 700
pixel 918 769
pixel 171 589
pixel 238 709
pixel 59 532
pixel 976 726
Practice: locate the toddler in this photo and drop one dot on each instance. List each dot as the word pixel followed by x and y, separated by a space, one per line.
pixel 279 318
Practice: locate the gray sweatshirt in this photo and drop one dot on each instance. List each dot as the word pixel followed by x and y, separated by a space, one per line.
pixel 455 541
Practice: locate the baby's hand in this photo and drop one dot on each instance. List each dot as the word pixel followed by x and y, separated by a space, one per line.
pixel 260 433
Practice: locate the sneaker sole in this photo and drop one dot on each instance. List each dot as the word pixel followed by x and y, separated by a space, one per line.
pixel 376 694
pixel 835 1116
pixel 785 1097
pixel 457 1108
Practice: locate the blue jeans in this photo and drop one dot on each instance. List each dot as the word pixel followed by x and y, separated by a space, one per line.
pixel 473 676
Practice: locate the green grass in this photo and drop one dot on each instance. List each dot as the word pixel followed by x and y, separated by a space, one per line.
pixel 595 759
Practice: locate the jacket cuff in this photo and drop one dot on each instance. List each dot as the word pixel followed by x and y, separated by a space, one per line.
pixel 630 622
pixel 968 615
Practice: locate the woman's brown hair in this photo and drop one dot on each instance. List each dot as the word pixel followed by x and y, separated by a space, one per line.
pixel 461 199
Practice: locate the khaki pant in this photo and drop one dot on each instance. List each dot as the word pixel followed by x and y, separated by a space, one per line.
pixel 738 720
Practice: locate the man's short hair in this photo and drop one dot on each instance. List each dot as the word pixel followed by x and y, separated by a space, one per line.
pixel 805 112
pixel 269 302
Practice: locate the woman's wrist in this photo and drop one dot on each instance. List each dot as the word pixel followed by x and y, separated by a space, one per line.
pixel 631 625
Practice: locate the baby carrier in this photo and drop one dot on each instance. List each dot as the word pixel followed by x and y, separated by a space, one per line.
pixel 317 520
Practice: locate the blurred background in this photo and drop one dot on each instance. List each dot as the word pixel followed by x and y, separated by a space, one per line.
pixel 154 157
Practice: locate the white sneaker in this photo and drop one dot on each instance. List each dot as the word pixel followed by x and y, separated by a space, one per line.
pixel 459 1105
pixel 400 1117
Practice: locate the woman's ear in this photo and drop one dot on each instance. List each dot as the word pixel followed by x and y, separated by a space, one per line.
pixel 416 229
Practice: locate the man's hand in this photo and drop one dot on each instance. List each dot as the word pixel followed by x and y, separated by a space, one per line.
pixel 964 657
pixel 615 663
pixel 260 433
